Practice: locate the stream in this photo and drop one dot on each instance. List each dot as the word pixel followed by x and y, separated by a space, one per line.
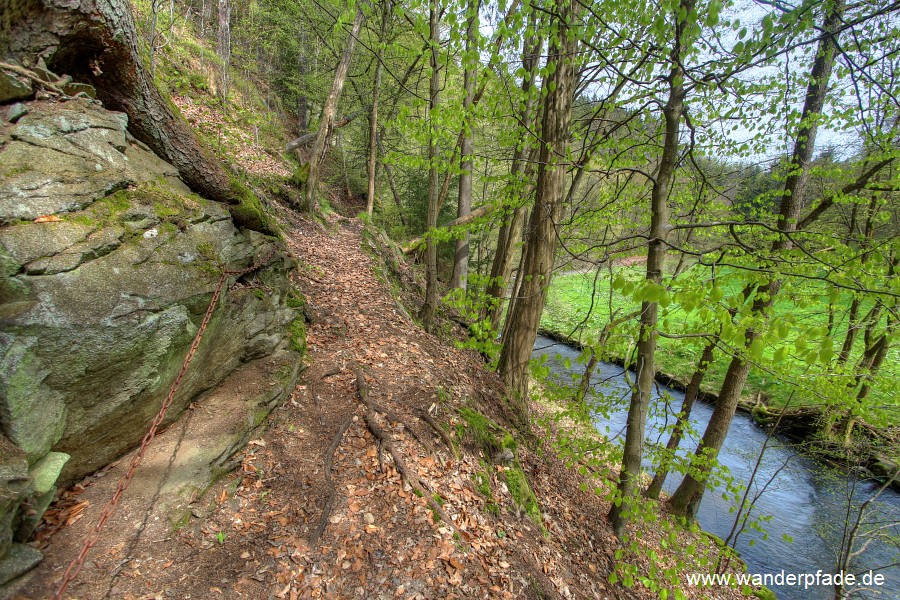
pixel 806 499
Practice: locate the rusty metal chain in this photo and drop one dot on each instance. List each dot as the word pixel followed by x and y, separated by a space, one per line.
pixel 94 536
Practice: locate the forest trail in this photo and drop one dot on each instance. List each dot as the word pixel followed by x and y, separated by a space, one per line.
pixel 253 535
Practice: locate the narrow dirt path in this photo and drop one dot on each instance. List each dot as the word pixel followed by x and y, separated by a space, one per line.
pixel 318 508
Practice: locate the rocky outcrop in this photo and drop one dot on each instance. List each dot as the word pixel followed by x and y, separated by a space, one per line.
pixel 107 265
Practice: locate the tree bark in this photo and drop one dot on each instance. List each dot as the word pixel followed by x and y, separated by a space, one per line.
pixel 510 231
pixel 686 499
pixel 684 416
pixel 479 212
pixel 373 117
pixel 426 314
pixel 326 121
pixel 633 451
pixel 464 204
pixel 95 41
pixel 302 100
pixel 223 49
pixel 541 240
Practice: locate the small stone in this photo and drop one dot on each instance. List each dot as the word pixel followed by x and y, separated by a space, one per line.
pixel 151 233
pixel 12 88
pixel 46 471
pixel 45 74
pixel 368 518
pixel 73 89
pixel 504 457
pixel 20 559
pixel 16 112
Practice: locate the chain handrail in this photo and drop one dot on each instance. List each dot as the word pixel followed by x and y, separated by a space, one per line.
pixel 94 536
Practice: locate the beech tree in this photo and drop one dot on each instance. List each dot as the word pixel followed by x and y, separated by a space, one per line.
pixel 540 244
pixel 629 474
pixel 326 119
pixel 686 499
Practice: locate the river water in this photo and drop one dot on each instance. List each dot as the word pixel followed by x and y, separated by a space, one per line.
pixel 807 500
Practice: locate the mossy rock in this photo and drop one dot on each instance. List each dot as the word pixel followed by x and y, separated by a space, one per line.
pixel 764 593
pixel 300 176
pixel 522 494
pixel 248 212
pixel 485 434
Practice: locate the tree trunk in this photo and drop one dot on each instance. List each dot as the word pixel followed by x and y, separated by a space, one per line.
pixel 326 121
pixel 426 314
pixel 633 452
pixel 684 416
pixel 302 101
pixel 541 240
pixel 686 499
pixel 389 171
pixel 585 385
pixel 223 49
pixel 510 231
pixel 373 117
pixel 95 41
pixel 464 205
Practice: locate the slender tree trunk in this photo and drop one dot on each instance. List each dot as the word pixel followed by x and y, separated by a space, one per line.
pixel 326 121
pixel 154 19
pixel 541 240
pixel 373 118
pixel 389 171
pixel 510 231
pixel 585 383
pixel 853 316
pixel 95 42
pixel 302 100
pixel 464 204
pixel 223 48
pixel 684 416
pixel 426 314
pixel 686 499
pixel 633 452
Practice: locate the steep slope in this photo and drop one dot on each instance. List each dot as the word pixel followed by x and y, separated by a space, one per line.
pixel 320 508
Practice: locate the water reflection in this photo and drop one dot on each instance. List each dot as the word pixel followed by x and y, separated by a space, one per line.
pixel 806 500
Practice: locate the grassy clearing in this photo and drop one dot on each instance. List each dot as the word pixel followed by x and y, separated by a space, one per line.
pixel 783 372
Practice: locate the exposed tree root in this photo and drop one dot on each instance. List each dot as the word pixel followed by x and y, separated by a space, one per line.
pixel 332 492
pixel 426 416
pixel 332 373
pixel 394 418
pixel 385 441
pixel 52 87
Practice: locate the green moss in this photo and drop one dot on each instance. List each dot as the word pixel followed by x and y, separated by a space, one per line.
pixel 207 251
pixel 522 494
pixel 164 210
pixel 249 211
pixel 483 486
pixel 17 170
pixel 298 334
pixel 482 483
pixel 295 300
pixel 764 593
pixel 300 176
pixel 259 416
pixel 486 434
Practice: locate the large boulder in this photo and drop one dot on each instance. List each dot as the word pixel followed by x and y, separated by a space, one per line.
pixel 61 157
pixel 107 266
